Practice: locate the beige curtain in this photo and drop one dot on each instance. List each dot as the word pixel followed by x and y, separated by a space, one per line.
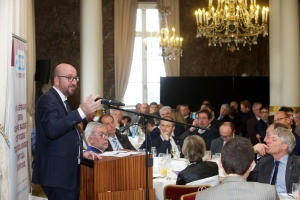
pixel 124 30
pixel 172 67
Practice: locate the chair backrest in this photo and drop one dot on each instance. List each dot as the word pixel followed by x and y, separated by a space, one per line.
pixel 213 181
pixel 174 192
pixel 190 196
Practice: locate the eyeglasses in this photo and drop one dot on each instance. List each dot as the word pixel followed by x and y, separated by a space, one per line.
pixel 277 120
pixel 226 137
pixel 102 135
pixel 201 118
pixel 71 78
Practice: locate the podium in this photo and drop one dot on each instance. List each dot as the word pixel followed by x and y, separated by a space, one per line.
pixel 115 178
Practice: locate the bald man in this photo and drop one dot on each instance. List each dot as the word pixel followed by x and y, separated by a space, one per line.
pixel 58 150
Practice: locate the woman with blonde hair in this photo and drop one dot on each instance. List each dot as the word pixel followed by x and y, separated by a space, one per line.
pixel 177 116
pixel 193 149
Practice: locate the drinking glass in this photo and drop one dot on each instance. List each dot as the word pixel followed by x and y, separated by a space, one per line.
pixel 218 155
pixel 207 155
pixel 295 190
pixel 153 151
pixel 173 151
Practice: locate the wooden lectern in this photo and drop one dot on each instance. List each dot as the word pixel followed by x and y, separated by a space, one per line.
pixel 114 178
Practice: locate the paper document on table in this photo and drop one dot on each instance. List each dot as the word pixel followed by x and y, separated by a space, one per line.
pixel 119 153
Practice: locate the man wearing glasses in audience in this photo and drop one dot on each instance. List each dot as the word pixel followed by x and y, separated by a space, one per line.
pixel 97 137
pixel 203 119
pixel 226 133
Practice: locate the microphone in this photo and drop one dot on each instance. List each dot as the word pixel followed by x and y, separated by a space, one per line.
pixel 110 102
pixel 126 127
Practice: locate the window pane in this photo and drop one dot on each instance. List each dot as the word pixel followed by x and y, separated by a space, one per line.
pixel 153 49
pixel 137 51
pixel 136 71
pixel 152 20
pixel 153 90
pixel 133 94
pixel 155 69
pixel 138 26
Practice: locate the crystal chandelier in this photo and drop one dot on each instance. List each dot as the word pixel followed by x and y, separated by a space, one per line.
pixel 170 44
pixel 233 22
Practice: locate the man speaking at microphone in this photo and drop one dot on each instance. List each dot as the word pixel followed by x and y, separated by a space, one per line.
pixel 58 150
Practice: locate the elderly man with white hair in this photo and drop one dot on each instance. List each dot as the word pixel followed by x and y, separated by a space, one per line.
pixel 282 168
pixel 224 113
pixel 97 137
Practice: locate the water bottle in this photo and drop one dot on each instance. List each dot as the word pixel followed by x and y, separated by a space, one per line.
pixel 133 131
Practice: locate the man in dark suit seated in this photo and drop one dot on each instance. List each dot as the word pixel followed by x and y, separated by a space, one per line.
pixel 185 111
pixel 226 133
pixel 214 121
pixel 224 113
pixel 153 133
pixel 166 142
pixel 251 131
pixel 117 141
pixel 262 125
pixel 246 113
pixel 282 168
pixel 97 137
pixel 165 111
pixel 237 162
pixel 203 119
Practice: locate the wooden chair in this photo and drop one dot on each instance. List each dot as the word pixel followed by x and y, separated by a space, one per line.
pixel 190 196
pixel 174 192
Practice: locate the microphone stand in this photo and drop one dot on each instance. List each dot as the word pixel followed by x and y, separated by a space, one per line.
pixel 148 159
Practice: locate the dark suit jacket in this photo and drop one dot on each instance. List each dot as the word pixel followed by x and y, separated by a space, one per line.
pixel 93 149
pixel 217 145
pixel 216 123
pixel 197 171
pixel 207 136
pixel 261 127
pixel 124 141
pixel 189 120
pixel 57 143
pixel 163 146
pixel 263 171
pixel 155 133
pixel 251 132
pixel 244 119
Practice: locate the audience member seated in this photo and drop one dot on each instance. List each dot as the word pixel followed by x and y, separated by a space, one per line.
pixel 214 121
pixel 246 114
pixel 193 149
pixel 117 141
pixel 153 133
pixel 290 112
pixel 126 121
pixel 144 108
pixel 224 113
pixel 165 142
pixel 237 167
pixel 177 116
pixel 203 119
pixel 262 124
pixel 166 111
pixel 283 118
pixel 226 133
pixel 185 111
pixel 235 105
pixel 97 137
pixel 297 114
pixel 235 120
pixel 282 168
pixel 251 123
pixel 117 115
pixel 153 110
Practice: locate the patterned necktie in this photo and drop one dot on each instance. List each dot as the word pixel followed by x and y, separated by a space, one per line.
pixel 116 143
pixel 68 106
pixel 275 173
